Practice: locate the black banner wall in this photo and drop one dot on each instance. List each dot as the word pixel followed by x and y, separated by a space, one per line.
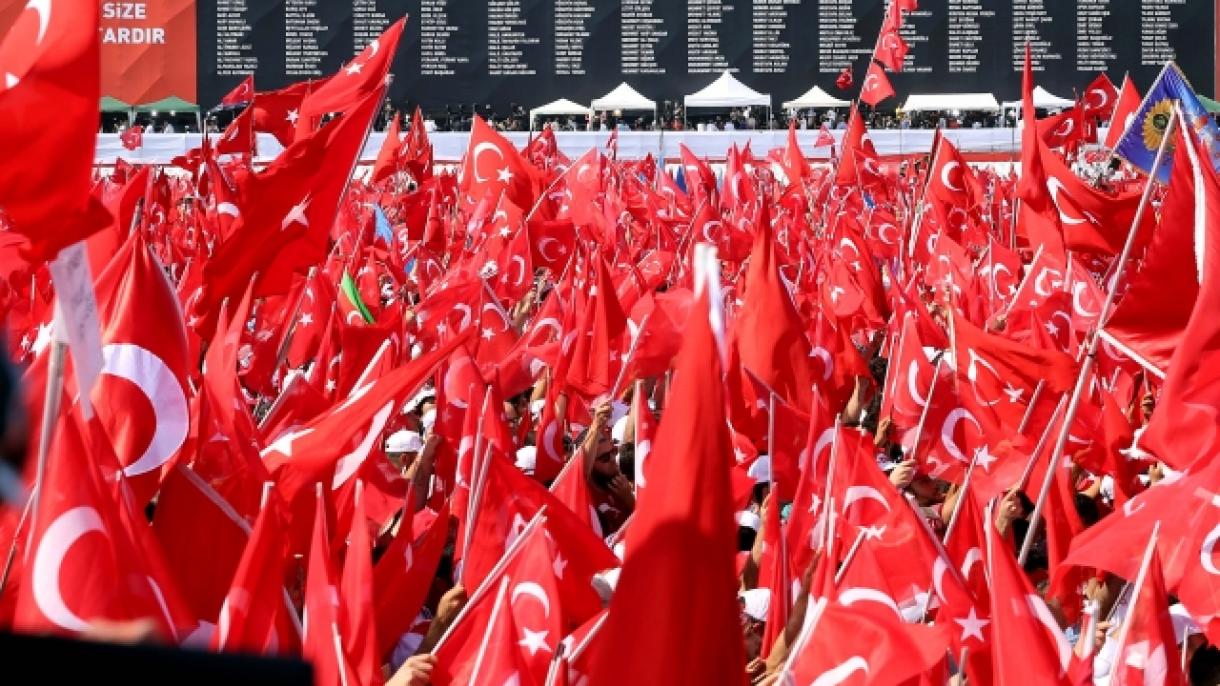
pixel 530 52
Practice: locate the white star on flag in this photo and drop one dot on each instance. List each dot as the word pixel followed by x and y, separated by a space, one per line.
pixel 533 641
pixel 972 625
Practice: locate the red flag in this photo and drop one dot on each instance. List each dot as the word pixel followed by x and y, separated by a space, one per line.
pixel 1100 97
pixel 825 137
pixel 1149 653
pixel 769 331
pixel 277 112
pixel 841 642
pixel 403 576
pixel 253 616
pixel 680 566
pixel 844 80
pixel 132 138
pixel 287 212
pixel 357 622
pixel 1152 315
pixel 891 49
pixel 80 566
pixel 50 59
pixel 1029 646
pixel 1125 109
pixel 387 157
pixel 876 85
pixel 188 511
pixel 241 94
pixel 362 78
pixel 238 137
pixel 320 640
pixel 596 354
pixel 141 397
pixel 493 165
pixel 1186 423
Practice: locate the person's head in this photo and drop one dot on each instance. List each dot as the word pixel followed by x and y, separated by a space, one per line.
pixel 605 460
pixel 402 447
pixel 927 491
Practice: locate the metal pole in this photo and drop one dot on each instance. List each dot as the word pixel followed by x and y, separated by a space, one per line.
pixel 1086 368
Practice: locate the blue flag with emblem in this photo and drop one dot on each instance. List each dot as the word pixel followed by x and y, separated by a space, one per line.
pixel 382 224
pixel 1140 141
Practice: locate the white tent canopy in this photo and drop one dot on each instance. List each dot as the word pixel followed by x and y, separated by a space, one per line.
pixel 1044 100
pixel 971 102
pixel 560 107
pixel 623 97
pixel 727 91
pixel 815 97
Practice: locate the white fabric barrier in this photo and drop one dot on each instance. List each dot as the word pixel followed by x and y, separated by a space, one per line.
pixel 450 146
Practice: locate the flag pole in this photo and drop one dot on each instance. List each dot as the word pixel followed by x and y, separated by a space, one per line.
pixel 485 585
pixel 1125 630
pixel 923 416
pixel 1086 367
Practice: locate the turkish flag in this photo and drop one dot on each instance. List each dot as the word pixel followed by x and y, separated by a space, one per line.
pixel 1149 653
pixel 277 112
pixel 891 49
pixel 1186 423
pixel 477 651
pixel 238 137
pixel 255 615
pixel 844 80
pixel 1125 109
pixel 241 94
pixel 403 575
pixel 1030 647
pixel 141 397
pixel 769 331
pixel 1160 295
pixel 50 61
pixel 81 566
pixel 286 212
pixel 1100 97
pixel 188 511
pixel 132 138
pixel 876 85
pixel 362 78
pixel 844 641
pixel 493 165
pixel 387 157
pixel 357 620
pixel 680 569
pixel 320 641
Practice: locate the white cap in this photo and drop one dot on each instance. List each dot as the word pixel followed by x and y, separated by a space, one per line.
pixel 412 404
pixel 537 406
pixel 757 601
pixel 404 442
pixel 527 459
pixel 428 419
pixel 619 430
pixel 760 471
pixel 749 520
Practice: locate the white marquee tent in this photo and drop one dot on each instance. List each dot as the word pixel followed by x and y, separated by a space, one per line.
pixel 727 91
pixel 623 97
pixel 559 108
pixel 815 97
pixel 970 102
pixel 1043 100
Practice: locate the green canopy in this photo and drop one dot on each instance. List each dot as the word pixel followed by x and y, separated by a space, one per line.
pixel 1209 104
pixel 109 104
pixel 170 104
